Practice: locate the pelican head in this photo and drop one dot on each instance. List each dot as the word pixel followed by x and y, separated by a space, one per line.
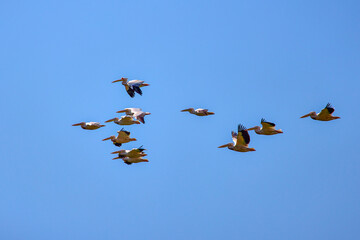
pixel 311 114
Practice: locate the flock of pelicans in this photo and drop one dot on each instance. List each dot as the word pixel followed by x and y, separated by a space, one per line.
pixel 241 138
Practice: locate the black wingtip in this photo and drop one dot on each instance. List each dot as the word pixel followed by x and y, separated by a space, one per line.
pixel 263 120
pixel 241 128
pixel 137 89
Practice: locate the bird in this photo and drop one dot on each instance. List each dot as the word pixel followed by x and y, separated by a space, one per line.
pixel 241 141
pixel 133 153
pixel 198 112
pixel 137 113
pixel 89 125
pixel 324 115
pixel 268 128
pixel 122 137
pixel 124 120
pixel 130 161
pixel 132 86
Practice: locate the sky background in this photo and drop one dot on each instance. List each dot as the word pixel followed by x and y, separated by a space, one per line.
pixel 244 60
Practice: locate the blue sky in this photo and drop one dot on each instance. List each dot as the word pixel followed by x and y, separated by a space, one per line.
pixel 244 60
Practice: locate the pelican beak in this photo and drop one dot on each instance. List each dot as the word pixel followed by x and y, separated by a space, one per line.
pixel 115 152
pixel 145 160
pixel 337 117
pixel 110 120
pixel 249 129
pixel 252 149
pixel 121 111
pixel 185 110
pixel 116 81
pixel 106 138
pixel 222 146
pixel 210 113
pixel 145 84
pixel 115 158
pixel 102 125
pixel 305 116
pixel 76 124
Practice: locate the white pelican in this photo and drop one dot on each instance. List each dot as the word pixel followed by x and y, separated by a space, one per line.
pixel 241 140
pixel 123 137
pixel 124 120
pixel 130 161
pixel 268 128
pixel 198 112
pixel 133 153
pixel 132 86
pixel 137 113
pixel 324 115
pixel 89 125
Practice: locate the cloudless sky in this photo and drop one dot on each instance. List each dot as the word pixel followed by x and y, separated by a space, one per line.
pixel 244 60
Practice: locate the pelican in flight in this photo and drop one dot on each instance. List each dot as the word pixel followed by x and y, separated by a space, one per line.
pixel 268 128
pixel 241 140
pixel 324 115
pixel 130 161
pixel 124 120
pixel 89 125
pixel 137 113
pixel 133 153
pixel 122 137
pixel 198 112
pixel 132 86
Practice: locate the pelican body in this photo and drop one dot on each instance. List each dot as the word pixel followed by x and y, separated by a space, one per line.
pixel 241 141
pixel 132 86
pixel 89 125
pixel 324 115
pixel 268 128
pixel 133 153
pixel 137 113
pixel 123 137
pixel 124 120
pixel 130 161
pixel 198 112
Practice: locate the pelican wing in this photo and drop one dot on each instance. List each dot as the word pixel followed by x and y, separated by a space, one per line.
pixel 243 137
pixel 135 82
pixel 130 91
pixel 266 124
pixel 123 134
pixel 326 111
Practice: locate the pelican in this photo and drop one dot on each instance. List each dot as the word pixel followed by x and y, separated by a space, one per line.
pixel 130 161
pixel 89 125
pixel 132 86
pixel 133 153
pixel 124 120
pixel 123 137
pixel 324 115
pixel 241 140
pixel 137 113
pixel 198 112
pixel 268 128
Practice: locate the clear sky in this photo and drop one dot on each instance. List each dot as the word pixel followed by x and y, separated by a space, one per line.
pixel 244 60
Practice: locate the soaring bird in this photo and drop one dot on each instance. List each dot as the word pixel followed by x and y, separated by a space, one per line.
pixel 137 113
pixel 268 128
pixel 122 137
pixel 198 112
pixel 133 153
pixel 130 161
pixel 124 120
pixel 241 140
pixel 324 115
pixel 132 86
pixel 89 125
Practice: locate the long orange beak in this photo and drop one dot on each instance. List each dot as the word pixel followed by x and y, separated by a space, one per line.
pixel 305 116
pixel 106 138
pixel 76 124
pixel 121 111
pixel 249 129
pixel 145 84
pixel 110 120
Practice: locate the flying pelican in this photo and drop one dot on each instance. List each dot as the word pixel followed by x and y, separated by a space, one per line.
pixel 268 128
pixel 133 153
pixel 130 161
pixel 324 115
pixel 198 112
pixel 124 120
pixel 132 86
pixel 123 137
pixel 241 140
pixel 89 125
pixel 137 113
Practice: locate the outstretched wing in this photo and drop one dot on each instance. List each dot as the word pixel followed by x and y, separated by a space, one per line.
pixel 130 91
pixel 326 111
pixel 137 89
pixel 243 137
pixel 266 124
pixel 123 134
